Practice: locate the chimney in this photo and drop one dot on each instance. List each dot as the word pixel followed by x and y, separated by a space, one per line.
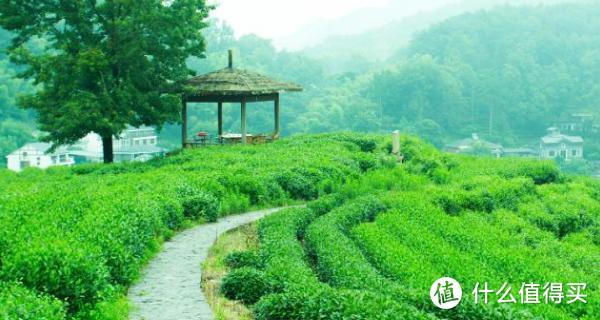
pixel 230 59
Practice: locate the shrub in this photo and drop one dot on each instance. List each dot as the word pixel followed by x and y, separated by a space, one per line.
pixel 70 273
pixel 246 284
pixel 172 213
pixel 298 184
pixel 366 163
pixel 78 233
pixel 242 259
pixel 17 302
pixel 326 203
pixel 201 205
pixel 327 303
pixel 366 144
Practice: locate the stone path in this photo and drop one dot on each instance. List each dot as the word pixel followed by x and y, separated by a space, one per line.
pixel 169 288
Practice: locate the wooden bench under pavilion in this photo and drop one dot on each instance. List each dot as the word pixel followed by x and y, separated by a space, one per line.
pixel 232 85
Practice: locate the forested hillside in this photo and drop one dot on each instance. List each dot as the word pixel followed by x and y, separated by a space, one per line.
pixel 351 52
pixel 16 125
pixel 525 67
pixel 506 73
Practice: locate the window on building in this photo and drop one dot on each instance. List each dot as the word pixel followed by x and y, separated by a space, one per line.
pixel 563 153
pixel 145 141
pixel 552 154
pixel 574 153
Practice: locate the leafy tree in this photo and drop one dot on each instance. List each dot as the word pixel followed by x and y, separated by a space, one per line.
pixel 533 66
pixel 107 64
pixel 420 89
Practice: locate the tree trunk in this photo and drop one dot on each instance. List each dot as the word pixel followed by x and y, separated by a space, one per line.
pixel 107 149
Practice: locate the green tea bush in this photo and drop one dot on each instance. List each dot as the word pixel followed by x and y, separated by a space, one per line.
pixel 364 143
pixel 172 212
pixel 282 254
pixel 366 162
pixel 484 194
pixel 69 273
pixel 326 203
pixel 242 259
pixel 245 284
pixel 540 172
pixel 20 303
pixel 326 303
pixel 338 261
pixel 491 220
pixel 82 234
pixel 201 205
pixel 300 184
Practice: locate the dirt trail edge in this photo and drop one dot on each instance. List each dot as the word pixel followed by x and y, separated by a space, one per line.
pixel 169 287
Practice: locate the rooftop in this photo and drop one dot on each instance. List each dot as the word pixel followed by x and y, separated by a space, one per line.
pixel 232 82
pixel 472 142
pixel 552 139
pixel 555 136
pixel 41 147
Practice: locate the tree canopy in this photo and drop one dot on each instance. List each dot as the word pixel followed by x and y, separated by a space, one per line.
pixel 107 64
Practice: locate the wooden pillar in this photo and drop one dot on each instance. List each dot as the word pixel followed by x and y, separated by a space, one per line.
pixel 184 123
pixel 244 130
pixel 220 116
pixel 277 117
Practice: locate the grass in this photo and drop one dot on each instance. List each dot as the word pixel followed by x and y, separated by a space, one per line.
pixel 213 269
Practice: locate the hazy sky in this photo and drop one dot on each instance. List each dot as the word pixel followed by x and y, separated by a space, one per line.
pixel 280 18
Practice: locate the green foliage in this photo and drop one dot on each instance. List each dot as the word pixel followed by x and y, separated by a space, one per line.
pixel 99 72
pixel 326 203
pixel 245 284
pixel 299 183
pixel 281 252
pixel 378 243
pixel 69 273
pixel 326 303
pixel 20 303
pixel 81 235
pixel 200 204
pixel 242 259
pixel 16 125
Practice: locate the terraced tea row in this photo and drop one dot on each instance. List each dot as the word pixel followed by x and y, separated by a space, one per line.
pixel 73 240
pixel 374 253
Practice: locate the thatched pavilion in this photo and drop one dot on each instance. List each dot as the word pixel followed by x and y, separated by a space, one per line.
pixel 232 85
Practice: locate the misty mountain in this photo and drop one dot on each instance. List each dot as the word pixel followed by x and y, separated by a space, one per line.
pixel 349 51
pixel 356 23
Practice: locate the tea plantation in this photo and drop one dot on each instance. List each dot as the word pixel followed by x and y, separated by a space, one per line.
pixel 73 240
pixel 373 247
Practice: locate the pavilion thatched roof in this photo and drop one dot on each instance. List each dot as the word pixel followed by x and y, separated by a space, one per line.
pixel 230 81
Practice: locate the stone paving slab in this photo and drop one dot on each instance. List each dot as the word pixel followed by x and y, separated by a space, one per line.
pixel 169 287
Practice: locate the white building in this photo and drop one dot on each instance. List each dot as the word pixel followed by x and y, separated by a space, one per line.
pixel 473 145
pixel 38 155
pixel 134 144
pixel 557 145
